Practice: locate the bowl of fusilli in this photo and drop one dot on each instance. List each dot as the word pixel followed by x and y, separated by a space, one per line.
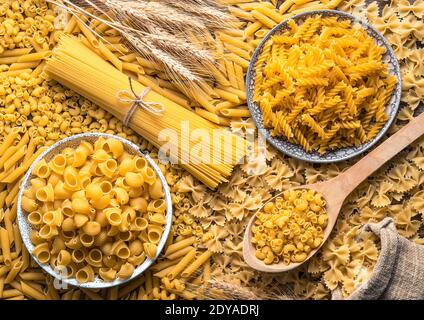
pixel 323 86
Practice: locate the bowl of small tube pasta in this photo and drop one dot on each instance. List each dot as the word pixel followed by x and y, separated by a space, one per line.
pixel 94 211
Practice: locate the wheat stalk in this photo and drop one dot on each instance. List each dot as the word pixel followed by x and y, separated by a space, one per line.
pixel 173 66
pixel 208 10
pixel 159 15
pixel 160 31
pixel 138 40
pixel 215 289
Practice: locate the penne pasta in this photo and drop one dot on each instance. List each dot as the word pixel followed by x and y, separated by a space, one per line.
pixel 14 270
pixel 285 6
pixel 15 52
pixel 15 73
pixel 90 294
pixel 235 113
pixel 88 33
pixel 238 60
pixel 136 68
pixel 182 264
pixel 8 141
pixel 180 245
pixel 5 246
pixel 202 259
pixel 16 157
pixel 239 93
pixel 52 292
pixel 252 28
pixel 237 42
pixel 24 65
pixel 12 294
pixel 17 239
pixel 241 84
pixel 32 276
pixel 242 14
pixel 262 18
pixel 211 116
pixel 4 269
pixel 229 66
pixel 164 272
pixel 130 287
pixel 31 57
pixel 270 13
pixel 29 291
pixel 105 51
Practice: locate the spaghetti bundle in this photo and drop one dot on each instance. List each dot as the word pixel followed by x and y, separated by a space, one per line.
pixel 205 150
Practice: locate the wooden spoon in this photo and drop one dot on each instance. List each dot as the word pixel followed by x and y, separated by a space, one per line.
pixel 336 190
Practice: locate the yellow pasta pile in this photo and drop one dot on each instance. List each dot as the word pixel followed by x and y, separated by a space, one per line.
pixel 323 85
pixel 95 210
pixel 290 227
pixel 215 220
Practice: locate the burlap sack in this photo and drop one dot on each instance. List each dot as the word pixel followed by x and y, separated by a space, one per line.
pixel 399 272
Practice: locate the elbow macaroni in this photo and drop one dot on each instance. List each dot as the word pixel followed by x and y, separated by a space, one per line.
pixel 290 227
pixel 96 210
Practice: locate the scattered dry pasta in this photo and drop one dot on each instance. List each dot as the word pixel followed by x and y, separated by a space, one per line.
pixel 323 85
pixel 288 228
pixel 96 210
pixel 343 263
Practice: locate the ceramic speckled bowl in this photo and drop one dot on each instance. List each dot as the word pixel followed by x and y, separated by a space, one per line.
pixel 297 151
pixel 25 227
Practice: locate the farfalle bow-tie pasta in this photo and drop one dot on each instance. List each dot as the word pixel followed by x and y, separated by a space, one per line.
pixel 95 210
pixel 323 85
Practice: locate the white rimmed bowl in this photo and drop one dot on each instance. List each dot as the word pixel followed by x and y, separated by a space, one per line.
pixel 296 151
pixel 26 228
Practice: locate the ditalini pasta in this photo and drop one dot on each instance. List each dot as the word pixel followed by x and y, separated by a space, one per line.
pixel 323 85
pixel 290 227
pixel 96 211
pixel 79 68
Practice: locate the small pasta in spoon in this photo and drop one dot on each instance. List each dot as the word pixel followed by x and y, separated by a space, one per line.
pixel 289 227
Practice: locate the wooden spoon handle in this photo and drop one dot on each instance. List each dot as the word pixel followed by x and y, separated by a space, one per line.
pixel 351 178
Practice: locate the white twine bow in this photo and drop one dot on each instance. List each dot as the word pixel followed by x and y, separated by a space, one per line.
pixel 138 101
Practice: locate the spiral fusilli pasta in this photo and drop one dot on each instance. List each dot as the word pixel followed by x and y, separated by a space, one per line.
pixel 323 85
